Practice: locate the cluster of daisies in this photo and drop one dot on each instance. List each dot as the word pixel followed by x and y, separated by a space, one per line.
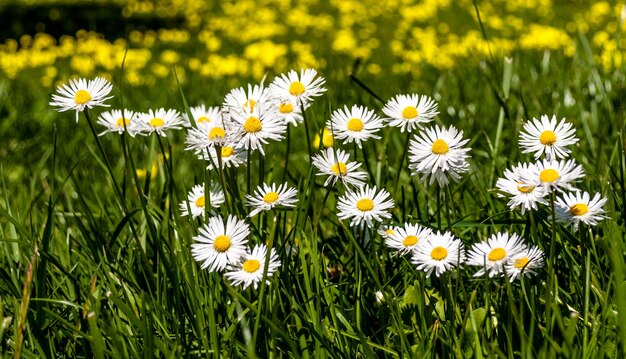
pixel 528 185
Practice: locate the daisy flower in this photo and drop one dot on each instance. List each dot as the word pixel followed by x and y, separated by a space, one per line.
pixel 81 94
pixel 494 253
pixel 267 197
pixel 288 112
pixel 440 253
pixel 524 263
pixel 580 208
pixel 158 121
pixel 240 101
pixel 438 153
pixel 546 136
pixel 297 89
pixel 386 231
pixel 206 134
pixel 334 164
pixel 256 128
pixel 405 239
pixel 410 111
pixel 248 270
pixel 219 243
pixel 355 125
pixel 554 174
pixel 520 194
pixel 231 156
pixel 364 205
pixel 202 114
pixel 115 121
pixel 196 200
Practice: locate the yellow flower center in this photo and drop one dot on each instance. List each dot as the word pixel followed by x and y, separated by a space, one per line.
pixel 270 197
pixel 203 119
pixel 251 265
pixel 550 175
pixel 338 168
pixel 285 108
pixel 521 262
pixel 122 121
pixel 249 105
pixel 524 189
pixel 221 243
pixel 389 231
pixel 157 122
pixel 216 132
pixel 547 138
pixel 439 253
pixel 355 124
pixel 200 201
pixel 296 88
pixel 82 97
pixel 365 204
pixel 409 112
pixel 227 151
pixel 252 125
pixel 440 147
pixel 409 241
pixel 496 254
pixel 578 209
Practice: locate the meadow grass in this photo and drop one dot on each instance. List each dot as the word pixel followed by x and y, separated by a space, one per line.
pixel 97 259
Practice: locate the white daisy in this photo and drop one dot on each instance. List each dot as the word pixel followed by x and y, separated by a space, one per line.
pixel 81 94
pixel 554 174
pixel 406 238
pixel 202 114
pixel 256 128
pixel 575 208
pixel 386 231
pixel 231 156
pixel 438 153
pixel 267 197
pixel 494 253
pixel 239 101
pixel 288 112
pixel 524 263
pixel 364 205
pixel 158 121
pixel 196 200
pixel 335 165
pixel 299 90
pixel 546 136
pixel 355 125
pixel 440 253
pixel 520 194
pixel 219 243
pixel 115 121
pixel 249 269
pixel 206 135
pixel 410 111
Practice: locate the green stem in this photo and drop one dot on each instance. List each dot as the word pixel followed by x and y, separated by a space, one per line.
pixel 405 149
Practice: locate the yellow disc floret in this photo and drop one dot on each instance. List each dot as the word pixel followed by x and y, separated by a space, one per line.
pixel 409 241
pixel 251 265
pixel 296 88
pixel 547 138
pixel 82 97
pixel 157 122
pixel 578 209
pixel 355 124
pixel 439 253
pixel 340 167
pixel 548 175
pixel 200 201
pixel 409 112
pixel 221 243
pixel 440 147
pixel 270 197
pixel 252 125
pixel 365 204
pixel 496 254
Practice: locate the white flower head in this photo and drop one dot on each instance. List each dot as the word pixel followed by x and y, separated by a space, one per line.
pixel 554 174
pixel 525 196
pixel 438 154
pixel 287 111
pixel 204 115
pixel 524 263
pixel 364 206
pixel 207 134
pixel 119 121
pixel 267 197
pixel 410 111
pixel 158 121
pixel 547 137
pixel 357 124
pixel 579 207
pixel 248 270
pixel 82 94
pixel 256 127
pixel 299 89
pixel 405 239
pixel 239 101
pixel 440 253
pixel 230 156
pixel 196 200
pixel 335 164
pixel 219 243
pixel 494 254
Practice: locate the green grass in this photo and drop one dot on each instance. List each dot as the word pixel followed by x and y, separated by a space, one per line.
pixel 89 271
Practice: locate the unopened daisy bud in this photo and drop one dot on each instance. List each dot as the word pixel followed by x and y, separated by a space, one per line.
pixel 327 139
